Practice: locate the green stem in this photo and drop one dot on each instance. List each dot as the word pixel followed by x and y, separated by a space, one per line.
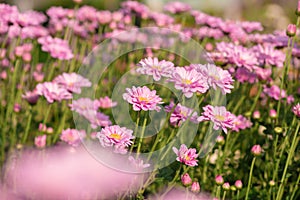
pixel 218 194
pixel 238 195
pixel 295 188
pixel 291 152
pixel 250 177
pixel 27 126
pixel 142 136
pixel 224 195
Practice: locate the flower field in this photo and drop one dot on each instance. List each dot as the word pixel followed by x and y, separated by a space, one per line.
pixel 140 104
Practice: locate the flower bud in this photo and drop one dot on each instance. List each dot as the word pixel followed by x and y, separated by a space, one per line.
pixel 256 150
pixel 278 130
pixel 273 113
pixel 220 140
pixel 296 110
pixel 256 114
pixel 272 183
pixel 291 30
pixel 226 186
pixel 17 107
pixel 219 180
pixel 232 188
pixel 186 179
pixel 40 141
pixel 298 9
pixel 195 187
pixel 49 130
pixel 238 184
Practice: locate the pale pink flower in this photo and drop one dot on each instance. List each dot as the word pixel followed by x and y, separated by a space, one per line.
pixel 97 119
pixel 83 105
pixel 72 136
pixel 117 136
pixel 52 92
pixel 296 110
pixel 57 47
pixel 219 116
pixel 155 68
pixel 274 92
pixel 256 150
pixel 177 7
pixel 142 98
pixel 216 77
pixel 189 81
pixel 180 114
pixel 72 82
pixel 40 141
pixel 240 123
pixel 195 187
pixel 138 163
pixel 238 184
pixel 186 156
pixel 105 102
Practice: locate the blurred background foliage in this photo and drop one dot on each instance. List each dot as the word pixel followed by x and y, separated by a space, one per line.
pixel 274 14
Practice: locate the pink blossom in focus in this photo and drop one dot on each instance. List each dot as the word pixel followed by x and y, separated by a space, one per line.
pixel 189 81
pixel 40 141
pixel 155 68
pixel 186 156
pixel 219 116
pixel 142 98
pixel 72 82
pixel 52 92
pixel 72 136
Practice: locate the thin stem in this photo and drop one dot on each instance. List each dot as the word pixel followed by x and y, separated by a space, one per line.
pixel 142 136
pixel 28 125
pixel 295 188
pixel 224 195
pixel 250 177
pixel 238 195
pixel 291 152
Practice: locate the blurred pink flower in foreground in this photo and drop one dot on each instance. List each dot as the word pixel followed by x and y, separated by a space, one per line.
pixel 40 141
pixel 142 98
pixel 181 194
pixel 186 156
pixel 64 173
pixel 156 68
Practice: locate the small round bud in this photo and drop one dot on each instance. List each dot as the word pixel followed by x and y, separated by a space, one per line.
pixel 232 188
pixel 195 187
pixel 291 30
pixel 298 9
pixel 226 186
pixel 238 184
pixel 256 150
pixel 219 180
pixel 186 179
pixel 272 183
pixel 220 140
pixel 273 113
pixel 256 114
pixel 296 110
pixel 278 130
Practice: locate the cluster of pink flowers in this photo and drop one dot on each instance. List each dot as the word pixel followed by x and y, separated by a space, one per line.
pixel 119 137
pixel 186 156
pixel 57 47
pixel 142 98
pixel 221 118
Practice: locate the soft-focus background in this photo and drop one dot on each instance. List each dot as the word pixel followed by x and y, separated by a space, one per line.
pixel 274 14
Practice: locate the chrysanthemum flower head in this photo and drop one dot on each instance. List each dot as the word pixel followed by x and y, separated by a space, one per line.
pixel 180 114
pixel 186 156
pixel 219 116
pixel 72 82
pixel 142 98
pixel 53 92
pixel 155 68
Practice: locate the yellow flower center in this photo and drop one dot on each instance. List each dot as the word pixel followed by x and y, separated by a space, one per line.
pixel 186 81
pixel 156 67
pixel 187 158
pixel 115 136
pixel 220 117
pixel 145 99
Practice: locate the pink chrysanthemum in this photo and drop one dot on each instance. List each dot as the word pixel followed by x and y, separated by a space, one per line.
pixel 117 136
pixel 216 77
pixel 72 136
pixel 52 92
pixel 57 47
pixel 186 156
pixel 142 98
pixel 181 114
pixel 189 81
pixel 31 97
pixel 296 110
pixel 219 116
pixel 155 68
pixel 83 105
pixel 177 7
pixel 240 123
pixel 72 82
pixel 105 102
pixel 274 92
pixel 97 119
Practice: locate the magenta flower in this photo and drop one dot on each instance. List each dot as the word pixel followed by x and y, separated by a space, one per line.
pixel 186 180
pixel 72 82
pixel 274 92
pixel 268 55
pixel 219 180
pixel 142 98
pixel 256 150
pixel 244 75
pixel 57 47
pixel 177 7
pixel 219 116
pixel 189 81
pixel 238 184
pixel 181 114
pixel 155 68
pixel 105 102
pixel 31 97
pixel 40 141
pixel 296 110
pixel 161 19
pixel 186 156
pixel 72 136
pixel 120 137
pixel 52 92
pixel 31 17
pixel 240 123
pixel 216 77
